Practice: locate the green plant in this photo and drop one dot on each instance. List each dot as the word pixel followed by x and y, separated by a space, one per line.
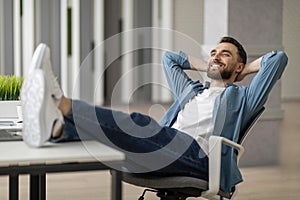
pixel 10 87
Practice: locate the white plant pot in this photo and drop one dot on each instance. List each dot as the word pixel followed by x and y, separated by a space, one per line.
pixel 10 109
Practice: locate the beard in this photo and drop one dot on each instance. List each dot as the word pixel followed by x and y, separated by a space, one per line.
pixel 220 73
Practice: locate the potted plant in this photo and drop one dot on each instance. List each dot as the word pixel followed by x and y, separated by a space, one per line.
pixel 10 87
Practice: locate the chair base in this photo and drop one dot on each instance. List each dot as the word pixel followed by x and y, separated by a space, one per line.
pixel 171 195
pixel 174 193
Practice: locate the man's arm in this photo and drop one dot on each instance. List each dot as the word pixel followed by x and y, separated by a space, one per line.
pixel 174 65
pixel 269 69
pixel 250 68
pixel 197 64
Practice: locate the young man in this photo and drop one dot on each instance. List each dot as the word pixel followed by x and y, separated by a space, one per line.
pixel 178 144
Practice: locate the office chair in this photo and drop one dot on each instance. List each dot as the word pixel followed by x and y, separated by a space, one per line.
pixel 182 187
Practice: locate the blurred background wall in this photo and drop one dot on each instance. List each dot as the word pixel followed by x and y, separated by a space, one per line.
pixel 73 28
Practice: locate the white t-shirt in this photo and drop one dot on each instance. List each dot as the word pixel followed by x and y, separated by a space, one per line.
pixel 195 118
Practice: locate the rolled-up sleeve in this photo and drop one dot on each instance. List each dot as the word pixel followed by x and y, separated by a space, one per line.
pixel 172 59
pixel 174 64
pixel 272 68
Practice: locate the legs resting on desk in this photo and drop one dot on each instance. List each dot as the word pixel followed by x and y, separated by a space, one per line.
pixel 148 147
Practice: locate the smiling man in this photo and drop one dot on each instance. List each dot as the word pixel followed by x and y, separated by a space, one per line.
pixel 177 145
pixel 224 62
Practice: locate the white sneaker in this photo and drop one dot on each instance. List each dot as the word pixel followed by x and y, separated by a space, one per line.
pixel 40 96
pixel 41 60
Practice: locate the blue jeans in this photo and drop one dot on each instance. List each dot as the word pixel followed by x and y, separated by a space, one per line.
pixel 148 147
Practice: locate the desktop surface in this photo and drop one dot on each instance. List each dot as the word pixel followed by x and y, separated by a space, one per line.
pixel 18 153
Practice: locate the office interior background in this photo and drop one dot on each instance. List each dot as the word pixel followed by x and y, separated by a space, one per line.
pixel 108 52
pixel 73 28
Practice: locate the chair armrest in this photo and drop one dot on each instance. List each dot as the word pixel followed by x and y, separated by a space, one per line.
pixel 214 157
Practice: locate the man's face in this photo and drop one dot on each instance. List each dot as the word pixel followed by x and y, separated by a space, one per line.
pixel 223 61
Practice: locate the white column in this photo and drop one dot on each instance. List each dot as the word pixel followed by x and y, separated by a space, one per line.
pixel 28 36
pixel 17 38
pixel 127 44
pixel 215 22
pixel 156 41
pixel 64 46
pixel 167 13
pixel 167 38
pixel 75 89
pixel 1 38
pixel 99 52
pixel 162 17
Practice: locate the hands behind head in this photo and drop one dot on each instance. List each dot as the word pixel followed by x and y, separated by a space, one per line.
pixel 240 77
pixel 252 67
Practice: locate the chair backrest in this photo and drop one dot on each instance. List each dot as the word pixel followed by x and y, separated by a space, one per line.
pixel 246 130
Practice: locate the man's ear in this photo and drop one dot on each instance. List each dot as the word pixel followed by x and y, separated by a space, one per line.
pixel 240 67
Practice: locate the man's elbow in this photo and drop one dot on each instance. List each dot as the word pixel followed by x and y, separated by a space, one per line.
pixel 167 55
pixel 276 58
pixel 167 58
pixel 282 57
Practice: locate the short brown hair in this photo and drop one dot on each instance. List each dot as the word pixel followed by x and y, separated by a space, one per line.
pixel 241 51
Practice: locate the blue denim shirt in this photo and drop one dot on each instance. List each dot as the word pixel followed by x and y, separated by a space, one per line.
pixel 233 109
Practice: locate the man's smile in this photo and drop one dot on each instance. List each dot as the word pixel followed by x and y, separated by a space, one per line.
pixel 216 65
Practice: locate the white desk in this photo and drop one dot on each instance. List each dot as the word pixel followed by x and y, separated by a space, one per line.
pixel 17 158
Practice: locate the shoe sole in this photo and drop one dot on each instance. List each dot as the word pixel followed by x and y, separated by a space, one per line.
pixel 33 104
pixel 39 109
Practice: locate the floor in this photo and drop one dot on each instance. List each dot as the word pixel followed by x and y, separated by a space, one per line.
pixel 268 182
